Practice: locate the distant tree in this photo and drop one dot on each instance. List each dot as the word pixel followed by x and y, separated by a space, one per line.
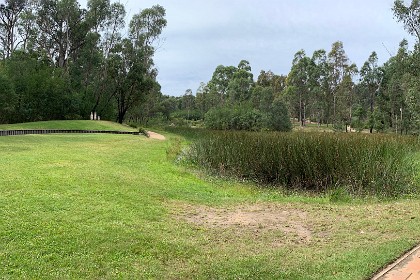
pixel 241 83
pixel 299 84
pixel 114 22
pixel 262 97
pixel 219 83
pixel 409 16
pixel 269 79
pixel 370 80
pixel 321 91
pixel 338 63
pixel 188 102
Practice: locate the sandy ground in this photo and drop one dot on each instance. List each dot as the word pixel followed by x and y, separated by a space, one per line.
pixel 154 135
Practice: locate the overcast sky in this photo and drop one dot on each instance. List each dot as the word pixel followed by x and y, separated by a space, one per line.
pixel 202 34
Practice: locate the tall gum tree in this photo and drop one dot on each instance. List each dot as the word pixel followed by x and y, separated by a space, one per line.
pixel 136 73
pixel 9 16
pixel 409 16
pixel 300 83
pixel 371 79
pixel 338 63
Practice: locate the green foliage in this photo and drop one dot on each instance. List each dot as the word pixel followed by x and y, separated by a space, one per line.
pixel 144 132
pixel 408 15
pixel 7 99
pixel 244 117
pixel 362 164
pixel 278 117
pixel 235 118
pixel 72 61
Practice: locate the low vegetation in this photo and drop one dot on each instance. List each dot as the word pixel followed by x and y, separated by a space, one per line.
pixel 113 206
pixel 247 118
pixel 360 164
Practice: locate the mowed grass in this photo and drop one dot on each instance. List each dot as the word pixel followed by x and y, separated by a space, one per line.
pixel 76 125
pixel 113 206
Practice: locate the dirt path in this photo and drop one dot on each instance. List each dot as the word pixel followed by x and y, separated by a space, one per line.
pixel 154 135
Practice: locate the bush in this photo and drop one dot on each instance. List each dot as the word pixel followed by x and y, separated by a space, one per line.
pixel 279 119
pixel 360 164
pixel 249 119
pixel 235 118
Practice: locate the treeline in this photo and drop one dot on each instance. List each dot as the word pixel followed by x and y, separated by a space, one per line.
pixel 230 100
pixel 324 88
pixel 62 61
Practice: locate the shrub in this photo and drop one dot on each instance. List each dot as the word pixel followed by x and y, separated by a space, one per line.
pixel 144 132
pixel 249 119
pixel 235 118
pixel 278 118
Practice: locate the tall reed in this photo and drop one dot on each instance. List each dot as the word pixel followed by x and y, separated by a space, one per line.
pixel 362 164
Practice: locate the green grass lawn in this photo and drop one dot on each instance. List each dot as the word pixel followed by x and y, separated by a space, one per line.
pixel 76 125
pixel 113 206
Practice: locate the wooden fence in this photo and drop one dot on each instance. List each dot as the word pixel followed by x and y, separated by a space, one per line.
pixel 60 131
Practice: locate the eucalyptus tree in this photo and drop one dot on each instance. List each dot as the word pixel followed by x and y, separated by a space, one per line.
pixel 409 16
pixel 10 13
pixel 134 75
pixel 108 22
pixel 63 30
pixel 319 98
pixel 370 80
pixel 270 80
pixel 219 83
pixel 27 27
pixel 299 84
pixel 268 87
pixel 262 97
pixel 188 102
pixel 347 95
pixel 202 98
pixel 241 83
pixel 338 64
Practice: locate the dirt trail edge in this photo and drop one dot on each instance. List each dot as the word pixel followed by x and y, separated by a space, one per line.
pixel 407 267
pixel 154 135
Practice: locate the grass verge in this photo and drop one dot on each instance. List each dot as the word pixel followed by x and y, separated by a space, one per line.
pixel 76 125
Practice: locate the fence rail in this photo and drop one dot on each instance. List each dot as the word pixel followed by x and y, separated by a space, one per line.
pixel 60 131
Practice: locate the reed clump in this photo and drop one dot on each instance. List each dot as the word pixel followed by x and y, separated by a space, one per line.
pixel 361 164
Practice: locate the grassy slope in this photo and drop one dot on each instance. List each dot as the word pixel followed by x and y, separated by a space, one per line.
pixel 103 206
pixel 80 124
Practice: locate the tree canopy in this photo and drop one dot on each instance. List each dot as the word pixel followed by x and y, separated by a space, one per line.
pixel 72 61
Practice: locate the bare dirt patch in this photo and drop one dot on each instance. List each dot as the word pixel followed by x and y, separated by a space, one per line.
pixel 260 219
pixel 154 135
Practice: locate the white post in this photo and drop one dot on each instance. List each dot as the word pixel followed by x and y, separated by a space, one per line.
pixel 91 116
